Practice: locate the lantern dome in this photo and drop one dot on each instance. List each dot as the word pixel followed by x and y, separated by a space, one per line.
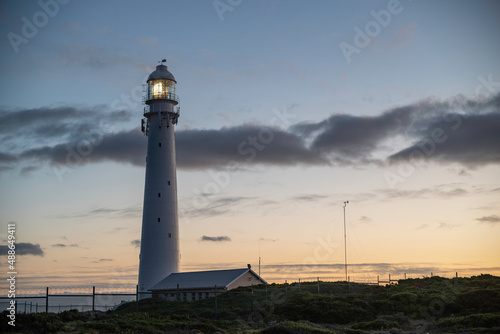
pixel 161 72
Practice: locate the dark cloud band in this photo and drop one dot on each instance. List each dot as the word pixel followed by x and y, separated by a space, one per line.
pixel 453 131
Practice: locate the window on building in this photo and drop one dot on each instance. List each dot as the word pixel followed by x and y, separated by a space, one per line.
pixel 158 219
pixel 170 235
pixel 159 144
pixel 168 182
pixel 159 195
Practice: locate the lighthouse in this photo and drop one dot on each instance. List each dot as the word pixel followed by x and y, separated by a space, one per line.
pixel 160 255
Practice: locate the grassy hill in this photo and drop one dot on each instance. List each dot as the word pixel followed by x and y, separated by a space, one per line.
pixel 435 304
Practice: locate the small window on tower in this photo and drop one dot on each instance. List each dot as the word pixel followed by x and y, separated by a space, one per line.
pixel 170 235
pixel 159 195
pixel 158 219
pixel 159 144
pixel 168 182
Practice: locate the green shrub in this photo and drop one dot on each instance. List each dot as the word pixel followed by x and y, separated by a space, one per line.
pixel 487 320
pixel 377 324
pixel 290 327
pixel 40 323
pixel 480 300
pixel 400 318
pixel 324 309
pixel 101 327
pixel 73 315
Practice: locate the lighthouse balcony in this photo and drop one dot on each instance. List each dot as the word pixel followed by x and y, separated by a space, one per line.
pixel 153 96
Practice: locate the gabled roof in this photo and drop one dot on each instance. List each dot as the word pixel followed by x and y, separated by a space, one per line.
pixel 201 279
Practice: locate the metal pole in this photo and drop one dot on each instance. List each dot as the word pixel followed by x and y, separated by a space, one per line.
pixel 345 243
pixel 137 297
pixel 47 301
pixel 93 298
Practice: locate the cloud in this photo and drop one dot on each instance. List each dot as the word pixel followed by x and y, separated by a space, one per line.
pixel 471 141
pixel 422 226
pixel 24 248
pixel 346 138
pixel 130 211
pixel 136 243
pixel 309 197
pixel 268 240
pixel 209 206
pixel 93 57
pixel 103 260
pixel 64 245
pixel 493 219
pixel 447 225
pixel 457 130
pixel 365 219
pixel 244 145
pixel 215 239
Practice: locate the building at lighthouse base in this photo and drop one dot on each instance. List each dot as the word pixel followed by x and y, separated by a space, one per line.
pixel 197 285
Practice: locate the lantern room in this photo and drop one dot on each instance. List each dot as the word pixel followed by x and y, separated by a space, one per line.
pixel 161 86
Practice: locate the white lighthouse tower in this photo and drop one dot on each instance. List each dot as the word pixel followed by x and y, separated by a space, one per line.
pixel 160 254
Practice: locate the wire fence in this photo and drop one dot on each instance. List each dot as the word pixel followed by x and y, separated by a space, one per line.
pixel 57 300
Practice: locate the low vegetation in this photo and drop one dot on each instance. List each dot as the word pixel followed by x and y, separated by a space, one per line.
pixel 433 304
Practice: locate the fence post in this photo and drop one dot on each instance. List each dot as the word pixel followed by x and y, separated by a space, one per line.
pixel 378 281
pixel 405 275
pixel 299 284
pixel 93 298
pixel 318 285
pixel 24 307
pixel 137 298
pixel 36 308
pixel 47 301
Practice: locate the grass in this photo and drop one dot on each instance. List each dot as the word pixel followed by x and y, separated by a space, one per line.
pixel 459 304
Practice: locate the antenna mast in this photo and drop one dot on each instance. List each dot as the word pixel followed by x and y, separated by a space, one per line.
pixel 345 243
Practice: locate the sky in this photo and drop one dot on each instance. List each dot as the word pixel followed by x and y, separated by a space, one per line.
pixel 288 110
